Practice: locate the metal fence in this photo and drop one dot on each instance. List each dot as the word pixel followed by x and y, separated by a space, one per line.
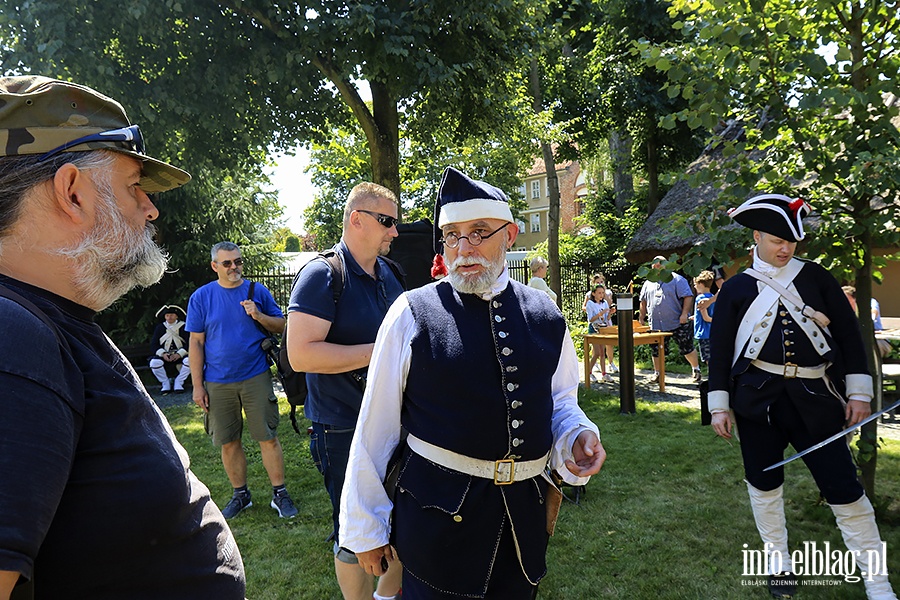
pixel 575 280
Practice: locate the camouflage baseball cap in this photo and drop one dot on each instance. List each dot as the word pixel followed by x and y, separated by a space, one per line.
pixel 44 116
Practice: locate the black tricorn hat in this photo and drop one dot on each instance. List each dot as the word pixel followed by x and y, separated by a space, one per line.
pixel 774 214
pixel 170 308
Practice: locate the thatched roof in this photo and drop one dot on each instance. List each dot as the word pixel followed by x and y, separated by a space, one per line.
pixel 653 237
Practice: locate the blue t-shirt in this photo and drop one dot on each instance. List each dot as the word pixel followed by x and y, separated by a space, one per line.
pixel 232 350
pixel 665 302
pixel 701 327
pixel 335 399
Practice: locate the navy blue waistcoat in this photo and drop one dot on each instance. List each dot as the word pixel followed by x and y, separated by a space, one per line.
pixel 479 384
pixel 479 379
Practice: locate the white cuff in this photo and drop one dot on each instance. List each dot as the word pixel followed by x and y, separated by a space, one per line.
pixel 182 352
pixel 859 398
pixel 718 401
pixel 160 352
pixel 859 384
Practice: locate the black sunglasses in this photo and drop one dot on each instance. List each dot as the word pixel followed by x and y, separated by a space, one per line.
pixel 227 263
pixel 129 137
pixel 386 220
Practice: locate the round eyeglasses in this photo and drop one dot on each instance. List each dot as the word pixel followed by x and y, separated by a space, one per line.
pixel 451 240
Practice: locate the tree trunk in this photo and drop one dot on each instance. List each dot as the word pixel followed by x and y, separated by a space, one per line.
pixel 868 442
pixel 534 84
pixel 384 144
pixel 652 175
pixel 620 157
pixel 381 125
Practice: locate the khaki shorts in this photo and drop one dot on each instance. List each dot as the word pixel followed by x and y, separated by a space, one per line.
pixel 255 396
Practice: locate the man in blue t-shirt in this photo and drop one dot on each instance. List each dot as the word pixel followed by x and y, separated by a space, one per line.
pixel 333 342
pixel 230 372
pixel 669 306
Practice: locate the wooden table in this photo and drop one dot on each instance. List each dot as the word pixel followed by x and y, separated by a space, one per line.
pixel 609 336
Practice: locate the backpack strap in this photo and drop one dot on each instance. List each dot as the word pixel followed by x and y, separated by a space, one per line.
pixel 33 309
pixel 25 589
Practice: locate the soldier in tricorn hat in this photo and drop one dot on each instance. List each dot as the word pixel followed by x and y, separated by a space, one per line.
pixel 787 367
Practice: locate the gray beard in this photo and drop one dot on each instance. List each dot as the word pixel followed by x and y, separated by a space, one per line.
pixel 475 283
pixel 113 258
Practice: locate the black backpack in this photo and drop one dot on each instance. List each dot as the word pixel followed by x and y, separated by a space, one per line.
pixel 294 382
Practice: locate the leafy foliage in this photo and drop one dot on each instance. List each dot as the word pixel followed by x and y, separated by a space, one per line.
pixel 821 127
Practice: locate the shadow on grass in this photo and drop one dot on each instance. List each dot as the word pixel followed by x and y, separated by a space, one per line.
pixel 667 518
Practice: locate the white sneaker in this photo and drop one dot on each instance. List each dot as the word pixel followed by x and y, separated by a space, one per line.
pixel 607 378
pixel 612 368
pixel 655 378
pixel 593 378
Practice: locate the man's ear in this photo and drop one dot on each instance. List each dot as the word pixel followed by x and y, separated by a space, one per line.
pixel 511 235
pixel 72 189
pixel 212 265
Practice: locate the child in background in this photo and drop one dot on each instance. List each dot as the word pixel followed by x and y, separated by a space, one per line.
pixel 598 314
pixel 703 316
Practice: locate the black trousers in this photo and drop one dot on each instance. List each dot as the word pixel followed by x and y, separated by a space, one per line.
pixel 507 580
pixel 763 444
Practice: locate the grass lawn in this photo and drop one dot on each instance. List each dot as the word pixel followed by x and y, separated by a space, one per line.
pixel 667 517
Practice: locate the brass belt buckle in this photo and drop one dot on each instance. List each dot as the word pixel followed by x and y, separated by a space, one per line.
pixel 790 370
pixel 504 471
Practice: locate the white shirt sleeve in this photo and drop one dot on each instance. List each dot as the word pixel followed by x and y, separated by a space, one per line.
pixel 365 507
pixel 567 420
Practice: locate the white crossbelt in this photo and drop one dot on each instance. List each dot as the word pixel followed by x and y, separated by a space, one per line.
pixel 790 370
pixel 502 472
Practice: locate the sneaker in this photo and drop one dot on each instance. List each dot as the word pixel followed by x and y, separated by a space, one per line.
pixel 237 503
pixel 593 378
pixel 607 378
pixel 697 376
pixel 612 368
pixel 284 505
pixel 655 378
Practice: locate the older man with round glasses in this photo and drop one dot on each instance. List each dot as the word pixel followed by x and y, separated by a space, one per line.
pixel 482 374
pixel 97 498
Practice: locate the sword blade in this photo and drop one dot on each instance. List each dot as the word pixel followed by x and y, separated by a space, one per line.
pixel 836 436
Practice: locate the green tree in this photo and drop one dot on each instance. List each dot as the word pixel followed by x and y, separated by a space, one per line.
pixel 341 163
pixel 245 73
pixel 292 243
pixel 616 98
pixel 818 127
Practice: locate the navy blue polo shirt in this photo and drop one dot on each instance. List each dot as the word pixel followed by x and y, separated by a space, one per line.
pixel 335 399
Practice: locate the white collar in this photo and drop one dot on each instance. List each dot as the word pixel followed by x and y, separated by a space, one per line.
pixel 764 267
pixel 498 286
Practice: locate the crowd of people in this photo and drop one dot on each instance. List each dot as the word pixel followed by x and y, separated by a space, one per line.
pixel 427 452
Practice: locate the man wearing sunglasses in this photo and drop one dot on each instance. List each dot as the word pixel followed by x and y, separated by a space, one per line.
pixel 230 373
pixel 97 499
pixel 332 342
pixel 481 372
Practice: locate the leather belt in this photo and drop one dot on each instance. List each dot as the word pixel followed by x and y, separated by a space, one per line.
pixel 503 472
pixel 790 370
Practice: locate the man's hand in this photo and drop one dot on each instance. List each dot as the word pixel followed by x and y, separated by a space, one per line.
pixel 589 455
pixel 856 411
pixel 722 424
pixel 371 561
pixel 201 398
pixel 250 309
pixel 683 318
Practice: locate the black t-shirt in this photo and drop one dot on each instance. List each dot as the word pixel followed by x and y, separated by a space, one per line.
pixel 97 499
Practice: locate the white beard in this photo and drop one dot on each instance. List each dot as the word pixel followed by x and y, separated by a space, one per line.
pixel 475 283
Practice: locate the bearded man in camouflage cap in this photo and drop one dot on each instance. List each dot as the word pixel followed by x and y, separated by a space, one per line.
pixel 97 499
